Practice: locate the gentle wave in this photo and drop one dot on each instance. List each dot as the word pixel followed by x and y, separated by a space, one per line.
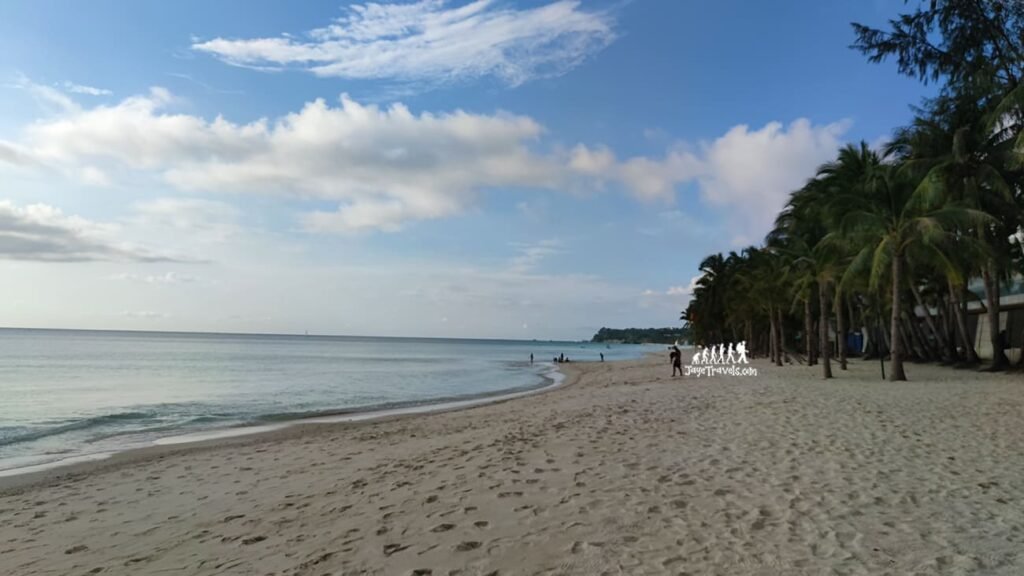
pixel 172 421
pixel 139 387
pixel 76 426
pixel 383 406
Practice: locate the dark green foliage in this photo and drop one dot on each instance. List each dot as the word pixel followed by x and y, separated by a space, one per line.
pixel 642 335
pixel 889 239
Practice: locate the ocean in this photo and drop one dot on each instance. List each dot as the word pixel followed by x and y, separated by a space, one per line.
pixel 71 395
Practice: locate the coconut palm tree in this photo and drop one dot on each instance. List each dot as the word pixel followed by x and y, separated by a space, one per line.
pixel 952 144
pixel 890 216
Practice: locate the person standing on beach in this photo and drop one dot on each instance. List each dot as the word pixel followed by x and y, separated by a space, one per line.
pixel 676 356
pixel 531 358
pixel 602 356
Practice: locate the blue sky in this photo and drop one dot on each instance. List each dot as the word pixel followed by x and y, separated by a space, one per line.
pixel 552 166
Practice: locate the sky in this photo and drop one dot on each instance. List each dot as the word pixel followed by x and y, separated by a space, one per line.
pixel 488 168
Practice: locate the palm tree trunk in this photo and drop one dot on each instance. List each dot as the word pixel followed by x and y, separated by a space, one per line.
pixel 816 345
pixel 826 349
pixel 919 343
pixel 991 277
pixel 960 315
pixel 771 335
pixel 945 324
pixel 782 339
pixel 949 327
pixel 809 330
pixel 854 325
pixel 749 334
pixel 909 351
pixel 896 373
pixel 840 329
pixel 887 341
pixel 940 341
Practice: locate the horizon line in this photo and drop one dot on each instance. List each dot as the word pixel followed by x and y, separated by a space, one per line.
pixel 287 334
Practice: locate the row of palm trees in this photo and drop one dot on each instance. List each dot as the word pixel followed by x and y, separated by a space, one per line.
pixel 896 233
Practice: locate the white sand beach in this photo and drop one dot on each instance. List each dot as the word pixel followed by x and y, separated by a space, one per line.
pixel 622 471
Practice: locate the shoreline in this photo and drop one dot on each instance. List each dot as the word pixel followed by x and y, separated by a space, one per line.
pixel 622 469
pixel 13 480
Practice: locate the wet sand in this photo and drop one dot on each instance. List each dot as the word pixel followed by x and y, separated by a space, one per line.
pixel 624 470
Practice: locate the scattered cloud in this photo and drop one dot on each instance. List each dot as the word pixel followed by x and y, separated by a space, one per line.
pixel 46 95
pixel 879 144
pixel 674 298
pixel 144 315
pixel 648 179
pixel 433 41
pixel 204 85
pixel 93 176
pixel 531 255
pixel 88 90
pixel 384 167
pixel 166 278
pixel 42 233
pixel 746 173
pixel 535 211
pixel 750 173
pixel 198 219
pixel 14 154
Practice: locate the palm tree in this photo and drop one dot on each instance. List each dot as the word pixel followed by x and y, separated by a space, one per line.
pixel 890 216
pixel 962 158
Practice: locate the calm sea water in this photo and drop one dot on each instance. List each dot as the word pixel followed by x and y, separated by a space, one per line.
pixel 71 394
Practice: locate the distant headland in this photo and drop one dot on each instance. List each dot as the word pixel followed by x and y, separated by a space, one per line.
pixel 642 335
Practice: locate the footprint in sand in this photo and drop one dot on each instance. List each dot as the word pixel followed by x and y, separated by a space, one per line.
pixel 442 527
pixel 481 523
pixel 467 546
pixel 390 549
pixel 76 549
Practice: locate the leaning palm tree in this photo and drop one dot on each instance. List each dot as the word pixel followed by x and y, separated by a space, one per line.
pixel 962 156
pixel 888 217
pixel 845 177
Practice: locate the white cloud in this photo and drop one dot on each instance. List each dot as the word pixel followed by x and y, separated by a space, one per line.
pixel 197 219
pixel 750 174
pixel 46 95
pixel 383 167
pixel 433 41
pixel 531 255
pixel 93 176
pixel 648 179
pixel 674 298
pixel 166 278
pixel 39 232
pixel 535 211
pixel 144 315
pixel 14 154
pixel 88 90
